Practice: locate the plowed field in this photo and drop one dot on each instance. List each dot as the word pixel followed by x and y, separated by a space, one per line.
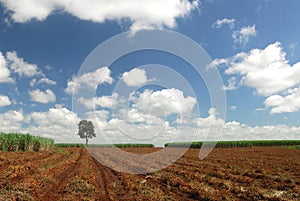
pixel 262 173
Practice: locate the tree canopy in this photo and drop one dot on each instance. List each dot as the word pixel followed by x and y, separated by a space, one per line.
pixel 86 130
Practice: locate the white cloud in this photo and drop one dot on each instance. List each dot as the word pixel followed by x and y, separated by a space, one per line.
pixel 219 23
pixel 4 101
pixel 135 77
pixel 260 109
pixel 211 120
pixel 103 101
pixel 100 115
pixel 21 67
pixel 238 131
pixel 142 13
pixel 232 85
pixel 4 72
pixel 88 103
pixel 144 116
pixel 55 116
pixel 163 103
pixel 292 47
pixel 289 102
pixel 89 81
pixel 266 70
pixel 57 123
pixel 242 36
pixel 26 10
pixel 135 115
pixel 45 80
pixel 12 121
pixel 233 108
pixel 269 73
pixel 216 62
pixel 32 82
pixel 42 97
pixel 48 67
pixel 61 124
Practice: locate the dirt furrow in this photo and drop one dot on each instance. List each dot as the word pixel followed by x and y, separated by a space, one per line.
pixel 104 181
pixel 226 174
pixel 52 191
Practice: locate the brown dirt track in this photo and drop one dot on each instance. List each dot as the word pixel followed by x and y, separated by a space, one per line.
pixel 262 173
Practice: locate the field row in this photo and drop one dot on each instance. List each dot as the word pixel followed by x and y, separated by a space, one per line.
pixel 230 174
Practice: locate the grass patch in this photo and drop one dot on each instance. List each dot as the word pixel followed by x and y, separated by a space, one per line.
pixel 61 151
pixel 293 147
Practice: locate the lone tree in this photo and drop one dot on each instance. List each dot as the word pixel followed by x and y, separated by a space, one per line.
pixel 86 130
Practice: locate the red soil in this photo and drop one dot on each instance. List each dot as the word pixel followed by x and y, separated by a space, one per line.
pixel 262 173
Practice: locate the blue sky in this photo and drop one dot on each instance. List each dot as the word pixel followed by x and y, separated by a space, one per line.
pixel 253 44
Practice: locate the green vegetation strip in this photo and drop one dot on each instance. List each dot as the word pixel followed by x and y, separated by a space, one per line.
pixel 64 145
pixel 24 142
pixel 229 144
pixel 294 147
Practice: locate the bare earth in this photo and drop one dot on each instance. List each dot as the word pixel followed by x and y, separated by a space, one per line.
pixel 262 173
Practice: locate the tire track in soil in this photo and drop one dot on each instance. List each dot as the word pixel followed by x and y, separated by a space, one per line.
pixel 138 179
pixel 102 181
pixel 53 192
pixel 145 178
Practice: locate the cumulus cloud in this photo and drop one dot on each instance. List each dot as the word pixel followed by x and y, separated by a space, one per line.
pixel 103 101
pixel 242 36
pixel 4 72
pixel 216 62
pixel 290 102
pixel 135 77
pixel 164 102
pixel 237 131
pixel 42 97
pixel 58 123
pixel 89 81
pixel 21 67
pixel 55 116
pixel 100 115
pixel 143 116
pixel 269 73
pixel 12 121
pixel 4 101
pixel 211 120
pixel 232 85
pixel 43 80
pixel 266 70
pixel 47 81
pixel 142 13
pixel 220 22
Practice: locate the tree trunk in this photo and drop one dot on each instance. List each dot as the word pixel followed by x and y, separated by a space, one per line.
pixel 86 141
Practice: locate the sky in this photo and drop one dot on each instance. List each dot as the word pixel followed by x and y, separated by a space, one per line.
pixel 150 96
